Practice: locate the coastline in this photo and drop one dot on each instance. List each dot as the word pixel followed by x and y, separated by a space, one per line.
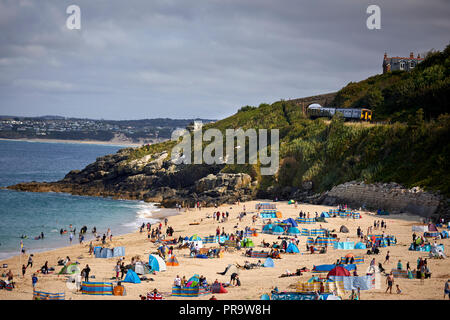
pixel 254 282
pixel 94 142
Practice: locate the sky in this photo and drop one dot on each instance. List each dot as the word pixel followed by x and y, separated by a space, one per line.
pixel 198 58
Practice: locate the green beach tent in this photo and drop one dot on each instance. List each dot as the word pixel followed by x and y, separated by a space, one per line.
pixel 70 269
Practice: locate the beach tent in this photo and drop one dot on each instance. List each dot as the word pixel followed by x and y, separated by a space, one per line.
pixel 277 230
pixel 156 263
pixel 97 288
pixel 141 268
pixel 267 228
pixel 172 261
pixel 292 248
pixel 444 234
pixel 247 243
pixel 132 277
pixel 265 296
pixel 195 238
pixel 291 221
pixel 70 269
pixel 291 202
pixel 325 215
pixel 193 281
pixel 218 288
pixel 339 271
pixel 269 263
pixel 343 229
pixel 230 269
pixel 293 231
pixel 432 227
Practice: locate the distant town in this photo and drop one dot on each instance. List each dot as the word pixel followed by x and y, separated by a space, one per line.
pixel 56 127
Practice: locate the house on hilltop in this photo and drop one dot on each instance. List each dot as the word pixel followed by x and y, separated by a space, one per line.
pixel 400 63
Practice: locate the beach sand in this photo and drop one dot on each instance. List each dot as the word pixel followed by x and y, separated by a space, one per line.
pixel 255 282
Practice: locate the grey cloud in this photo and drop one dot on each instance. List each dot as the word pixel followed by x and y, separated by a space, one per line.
pixel 179 58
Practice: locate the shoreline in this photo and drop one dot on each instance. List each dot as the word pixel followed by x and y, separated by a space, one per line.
pixel 122 229
pixel 254 282
pixel 93 142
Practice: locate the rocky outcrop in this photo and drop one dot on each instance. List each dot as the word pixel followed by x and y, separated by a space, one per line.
pixel 387 196
pixel 152 178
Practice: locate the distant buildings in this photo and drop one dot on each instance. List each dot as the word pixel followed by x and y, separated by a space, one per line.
pixel 400 63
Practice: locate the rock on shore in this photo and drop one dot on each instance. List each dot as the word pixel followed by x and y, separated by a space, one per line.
pixel 152 178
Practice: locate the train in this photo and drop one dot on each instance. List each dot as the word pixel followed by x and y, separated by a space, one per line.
pixel 317 111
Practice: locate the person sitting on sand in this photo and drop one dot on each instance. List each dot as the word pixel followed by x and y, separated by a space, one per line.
pixel 399 291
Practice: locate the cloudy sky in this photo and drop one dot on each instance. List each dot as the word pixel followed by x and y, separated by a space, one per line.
pixel 197 58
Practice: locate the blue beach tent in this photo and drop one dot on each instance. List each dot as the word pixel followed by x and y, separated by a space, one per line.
pixel 277 230
pixel 291 221
pixel 269 263
pixel 156 263
pixel 293 231
pixel 325 215
pixel 132 277
pixel 267 228
pixel 292 248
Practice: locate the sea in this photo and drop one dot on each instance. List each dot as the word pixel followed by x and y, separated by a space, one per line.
pixel 24 215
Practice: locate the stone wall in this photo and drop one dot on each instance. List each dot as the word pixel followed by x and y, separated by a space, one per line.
pixel 388 196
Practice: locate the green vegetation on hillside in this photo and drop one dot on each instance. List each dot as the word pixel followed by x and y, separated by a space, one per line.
pixel 396 95
pixel 413 150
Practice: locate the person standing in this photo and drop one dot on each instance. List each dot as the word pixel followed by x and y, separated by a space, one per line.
pixel 71 237
pixel 447 289
pixel 117 269
pixel 390 282
pixel 30 261
pixel 387 258
pixel 86 272
pixel 24 269
pixel 34 281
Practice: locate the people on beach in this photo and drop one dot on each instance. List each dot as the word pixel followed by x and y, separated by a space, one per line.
pixel 30 261
pixel 85 273
pixel 390 282
pixel 34 280
pixel 447 289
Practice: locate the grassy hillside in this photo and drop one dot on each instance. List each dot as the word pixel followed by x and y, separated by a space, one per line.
pixel 397 95
pixel 413 150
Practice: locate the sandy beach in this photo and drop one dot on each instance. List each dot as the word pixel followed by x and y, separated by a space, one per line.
pixel 255 282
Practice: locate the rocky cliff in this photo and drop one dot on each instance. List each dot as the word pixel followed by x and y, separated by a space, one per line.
pixel 152 178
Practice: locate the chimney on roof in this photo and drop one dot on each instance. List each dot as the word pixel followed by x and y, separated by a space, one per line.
pixel 411 55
